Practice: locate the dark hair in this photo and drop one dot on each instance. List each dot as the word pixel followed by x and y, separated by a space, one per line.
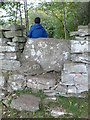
pixel 37 20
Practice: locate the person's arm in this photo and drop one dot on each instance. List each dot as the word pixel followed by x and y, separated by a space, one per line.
pixel 45 33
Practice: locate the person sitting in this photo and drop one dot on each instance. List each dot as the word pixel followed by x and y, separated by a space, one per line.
pixel 37 31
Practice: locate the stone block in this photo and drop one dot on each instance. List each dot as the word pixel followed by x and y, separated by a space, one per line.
pixel 82 38
pixel 4 41
pixel 12 27
pixel 67 79
pixel 18 39
pixel 49 53
pixel 8 56
pixel 16 82
pixel 26 103
pixel 72 89
pixel 30 68
pixel 2 81
pixel 45 81
pixel 8 49
pixel 12 34
pixel 75 68
pixel 61 89
pixel 9 65
pixel 21 46
pixel 2 95
pixel 83 58
pixel 80 46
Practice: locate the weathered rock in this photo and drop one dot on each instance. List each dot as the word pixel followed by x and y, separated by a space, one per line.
pixel 72 89
pixel 8 49
pixel 84 58
pixel 9 65
pixel 21 46
pixel 11 27
pixel 1 94
pixel 8 56
pixel 49 53
pixel 82 38
pixel 12 44
pixel 75 68
pixel 80 46
pixel 18 39
pixel 3 41
pixel 26 102
pixel 30 68
pixel 61 90
pixel 41 82
pixel 1 34
pixel 67 79
pixel 16 82
pixel 49 99
pixel 58 111
pixel 11 34
pixel 2 81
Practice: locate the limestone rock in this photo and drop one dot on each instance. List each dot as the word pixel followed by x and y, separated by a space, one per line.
pixel 18 39
pixel 41 82
pixel 61 90
pixel 75 68
pixel 58 111
pixel 30 68
pixel 80 46
pixel 8 56
pixel 49 53
pixel 9 65
pixel 16 82
pixel 2 81
pixel 8 48
pixel 26 102
pixel 1 94
pixel 12 27
pixel 67 79
pixel 84 58
pixel 72 89
pixel 11 34
pixel 3 41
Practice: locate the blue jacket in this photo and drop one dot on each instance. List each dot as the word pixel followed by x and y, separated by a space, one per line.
pixel 37 31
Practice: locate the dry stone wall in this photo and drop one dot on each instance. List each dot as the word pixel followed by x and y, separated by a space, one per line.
pixel 57 67
pixel 11 45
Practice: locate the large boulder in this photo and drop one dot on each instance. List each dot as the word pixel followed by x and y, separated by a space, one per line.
pixel 49 53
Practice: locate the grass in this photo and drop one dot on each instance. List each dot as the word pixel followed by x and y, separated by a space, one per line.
pixel 77 106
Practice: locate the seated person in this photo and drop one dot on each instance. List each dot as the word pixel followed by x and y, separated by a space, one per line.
pixel 37 31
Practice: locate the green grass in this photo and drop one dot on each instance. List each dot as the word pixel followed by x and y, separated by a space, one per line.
pixel 77 106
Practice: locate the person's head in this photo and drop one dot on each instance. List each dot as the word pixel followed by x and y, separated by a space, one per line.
pixel 37 20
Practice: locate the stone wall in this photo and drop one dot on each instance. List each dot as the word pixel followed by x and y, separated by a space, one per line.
pixel 57 67
pixel 11 45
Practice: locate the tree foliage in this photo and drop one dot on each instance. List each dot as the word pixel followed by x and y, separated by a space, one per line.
pixel 58 18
